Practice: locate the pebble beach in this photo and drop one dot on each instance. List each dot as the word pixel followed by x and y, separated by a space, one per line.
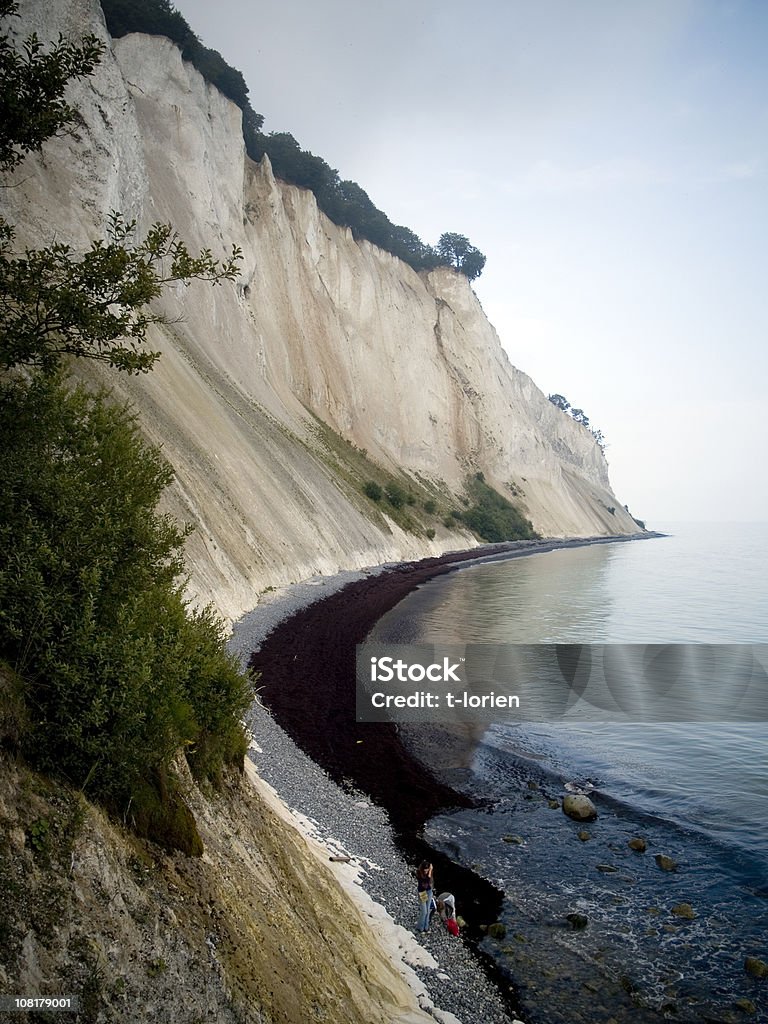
pixel 349 824
pixel 336 783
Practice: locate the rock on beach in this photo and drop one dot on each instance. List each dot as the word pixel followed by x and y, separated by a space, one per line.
pixel 577 921
pixel 756 967
pixel 665 863
pixel 684 910
pixel 579 807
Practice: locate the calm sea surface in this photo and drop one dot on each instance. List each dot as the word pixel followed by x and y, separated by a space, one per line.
pixel 698 793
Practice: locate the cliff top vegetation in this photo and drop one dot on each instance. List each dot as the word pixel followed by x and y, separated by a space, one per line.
pixel 343 201
pixel 580 417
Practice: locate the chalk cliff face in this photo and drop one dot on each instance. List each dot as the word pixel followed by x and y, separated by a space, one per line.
pixel 402 366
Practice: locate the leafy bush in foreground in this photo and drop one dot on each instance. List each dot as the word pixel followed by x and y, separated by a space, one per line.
pixel 105 673
pixel 118 672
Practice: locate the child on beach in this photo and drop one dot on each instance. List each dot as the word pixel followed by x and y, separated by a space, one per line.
pixel 426 884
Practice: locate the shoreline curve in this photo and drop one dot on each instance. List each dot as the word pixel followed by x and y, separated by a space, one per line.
pixel 307 666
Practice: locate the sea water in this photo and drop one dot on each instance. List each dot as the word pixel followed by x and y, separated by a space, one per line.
pixel 697 793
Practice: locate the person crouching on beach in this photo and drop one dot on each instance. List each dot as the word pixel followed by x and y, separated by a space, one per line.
pixel 446 908
pixel 426 884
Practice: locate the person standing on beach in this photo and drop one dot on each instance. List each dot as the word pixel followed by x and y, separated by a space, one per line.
pixel 426 884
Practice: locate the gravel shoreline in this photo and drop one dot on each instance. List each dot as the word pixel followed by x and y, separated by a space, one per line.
pixel 347 821
pixel 465 983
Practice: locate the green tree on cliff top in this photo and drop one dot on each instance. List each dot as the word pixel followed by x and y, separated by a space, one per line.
pixel 456 251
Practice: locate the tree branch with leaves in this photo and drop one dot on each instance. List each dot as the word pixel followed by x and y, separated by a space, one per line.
pixel 32 85
pixel 54 303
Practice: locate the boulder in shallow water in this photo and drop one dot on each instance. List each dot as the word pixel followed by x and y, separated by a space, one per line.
pixel 665 863
pixel 638 845
pixel 756 967
pixel 684 910
pixel 497 930
pixel 579 807
pixel 746 1005
pixel 584 836
pixel 577 921
pixel 516 840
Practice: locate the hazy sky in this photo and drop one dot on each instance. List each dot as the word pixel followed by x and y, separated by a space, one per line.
pixel 608 156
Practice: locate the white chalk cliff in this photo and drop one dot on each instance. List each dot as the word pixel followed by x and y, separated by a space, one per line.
pixel 400 364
